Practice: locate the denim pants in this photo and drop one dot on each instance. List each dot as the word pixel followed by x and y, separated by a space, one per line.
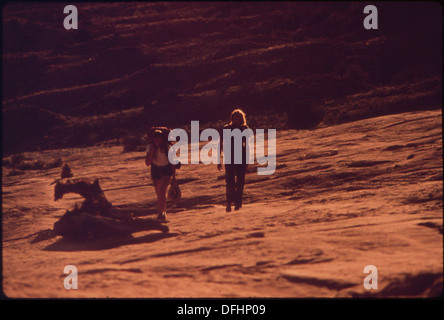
pixel 235 180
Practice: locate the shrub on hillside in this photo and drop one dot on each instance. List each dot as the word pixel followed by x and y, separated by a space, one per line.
pixel 133 143
pixel 304 115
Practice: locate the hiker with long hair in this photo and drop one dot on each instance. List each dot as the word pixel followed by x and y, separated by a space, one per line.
pixel 162 171
pixel 235 173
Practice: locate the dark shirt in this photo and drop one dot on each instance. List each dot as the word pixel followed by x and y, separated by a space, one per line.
pixel 244 143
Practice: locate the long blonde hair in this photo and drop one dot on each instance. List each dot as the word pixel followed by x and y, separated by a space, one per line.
pixel 238 112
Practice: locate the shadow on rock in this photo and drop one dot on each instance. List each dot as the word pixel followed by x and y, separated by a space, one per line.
pixel 82 225
pixel 425 284
pixel 105 243
pixel 134 210
pixel 198 201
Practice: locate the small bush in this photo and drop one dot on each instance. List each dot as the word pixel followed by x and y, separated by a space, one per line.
pixel 17 159
pixel 304 115
pixel 31 165
pixel 132 143
pixel 15 172
pixel 54 164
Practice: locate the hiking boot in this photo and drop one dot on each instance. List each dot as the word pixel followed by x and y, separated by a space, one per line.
pixel 162 216
pixel 228 208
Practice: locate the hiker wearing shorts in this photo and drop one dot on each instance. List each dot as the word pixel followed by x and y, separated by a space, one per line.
pixel 162 171
pixel 235 173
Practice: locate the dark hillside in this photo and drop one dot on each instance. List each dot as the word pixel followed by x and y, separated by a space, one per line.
pixel 132 65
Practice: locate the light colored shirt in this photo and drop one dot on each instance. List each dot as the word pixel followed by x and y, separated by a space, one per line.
pixel 159 159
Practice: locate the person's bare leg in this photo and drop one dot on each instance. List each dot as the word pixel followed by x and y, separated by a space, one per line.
pixel 159 202
pixel 163 187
